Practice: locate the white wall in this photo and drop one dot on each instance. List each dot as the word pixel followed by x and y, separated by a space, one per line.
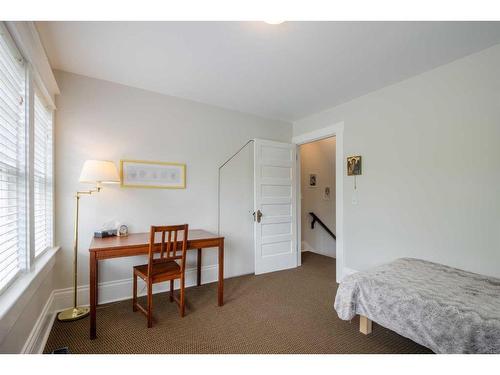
pixel 318 158
pixel 237 203
pixel 431 175
pixel 102 120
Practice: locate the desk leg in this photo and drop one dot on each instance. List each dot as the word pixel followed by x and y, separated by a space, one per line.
pixel 220 294
pixel 93 294
pixel 96 283
pixel 198 273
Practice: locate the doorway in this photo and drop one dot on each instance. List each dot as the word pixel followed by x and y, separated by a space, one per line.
pixel 272 185
pixel 276 193
pixel 336 130
pixel 318 198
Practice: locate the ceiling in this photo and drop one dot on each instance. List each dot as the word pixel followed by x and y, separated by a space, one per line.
pixel 285 71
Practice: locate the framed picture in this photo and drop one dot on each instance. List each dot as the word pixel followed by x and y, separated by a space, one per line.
pixel 313 180
pixel 152 174
pixel 326 193
pixel 354 165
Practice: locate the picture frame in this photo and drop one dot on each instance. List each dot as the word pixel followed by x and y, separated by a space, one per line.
pixel 354 165
pixel 152 174
pixel 313 180
pixel 326 193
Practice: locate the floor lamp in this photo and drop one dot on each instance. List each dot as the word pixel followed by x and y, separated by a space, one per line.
pixel 95 172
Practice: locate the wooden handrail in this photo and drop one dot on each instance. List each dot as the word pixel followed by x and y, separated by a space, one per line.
pixel 317 219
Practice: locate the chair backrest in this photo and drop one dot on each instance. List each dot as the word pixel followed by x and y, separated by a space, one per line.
pixel 165 241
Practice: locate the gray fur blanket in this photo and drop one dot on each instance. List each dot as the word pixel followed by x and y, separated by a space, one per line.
pixel 445 309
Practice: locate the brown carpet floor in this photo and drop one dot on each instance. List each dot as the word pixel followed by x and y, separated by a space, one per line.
pixel 282 312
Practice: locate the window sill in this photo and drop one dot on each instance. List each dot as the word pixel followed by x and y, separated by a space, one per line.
pixel 16 290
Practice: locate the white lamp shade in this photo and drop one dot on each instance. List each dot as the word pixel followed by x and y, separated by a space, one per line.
pixel 99 171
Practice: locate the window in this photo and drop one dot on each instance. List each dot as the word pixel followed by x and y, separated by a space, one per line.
pixel 12 162
pixel 42 174
pixel 26 177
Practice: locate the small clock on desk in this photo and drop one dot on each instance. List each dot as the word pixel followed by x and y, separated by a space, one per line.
pixel 123 230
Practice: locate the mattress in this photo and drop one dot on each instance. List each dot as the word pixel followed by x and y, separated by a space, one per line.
pixel 445 309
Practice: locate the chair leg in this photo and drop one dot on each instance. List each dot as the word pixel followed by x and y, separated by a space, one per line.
pixel 182 305
pixel 171 290
pixel 150 304
pixel 134 295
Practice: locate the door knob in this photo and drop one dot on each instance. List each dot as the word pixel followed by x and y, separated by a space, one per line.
pixel 257 216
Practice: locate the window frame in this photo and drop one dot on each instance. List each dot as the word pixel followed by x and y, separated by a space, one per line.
pixel 26 255
pixel 22 244
pixel 36 91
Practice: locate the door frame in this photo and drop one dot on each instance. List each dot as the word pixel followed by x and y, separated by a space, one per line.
pixel 336 130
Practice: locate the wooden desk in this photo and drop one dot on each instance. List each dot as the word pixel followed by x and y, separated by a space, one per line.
pixel 138 244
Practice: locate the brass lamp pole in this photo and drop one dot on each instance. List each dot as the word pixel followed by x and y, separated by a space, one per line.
pixel 94 171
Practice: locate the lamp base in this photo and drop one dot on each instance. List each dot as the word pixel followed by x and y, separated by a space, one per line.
pixel 75 313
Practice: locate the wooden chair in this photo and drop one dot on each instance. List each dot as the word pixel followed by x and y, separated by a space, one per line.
pixel 164 267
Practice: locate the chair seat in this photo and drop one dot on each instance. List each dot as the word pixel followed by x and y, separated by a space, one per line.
pixel 161 270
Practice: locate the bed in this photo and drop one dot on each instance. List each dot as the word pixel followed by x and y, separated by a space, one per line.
pixel 445 309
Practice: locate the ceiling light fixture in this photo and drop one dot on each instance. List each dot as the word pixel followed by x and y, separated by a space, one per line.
pixel 275 22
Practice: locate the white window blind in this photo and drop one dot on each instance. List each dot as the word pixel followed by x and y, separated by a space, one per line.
pixel 13 218
pixel 42 174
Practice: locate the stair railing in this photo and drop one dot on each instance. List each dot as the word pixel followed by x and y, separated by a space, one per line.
pixel 318 220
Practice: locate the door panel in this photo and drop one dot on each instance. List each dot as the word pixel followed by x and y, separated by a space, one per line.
pixel 274 179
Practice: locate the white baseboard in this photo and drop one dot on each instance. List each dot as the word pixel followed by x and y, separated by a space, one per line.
pixel 307 247
pixel 119 290
pixel 109 291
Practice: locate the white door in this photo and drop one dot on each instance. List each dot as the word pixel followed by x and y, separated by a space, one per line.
pixel 275 216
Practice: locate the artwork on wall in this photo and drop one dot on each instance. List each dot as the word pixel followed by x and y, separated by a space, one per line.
pixel 354 165
pixel 152 174
pixel 326 193
pixel 313 180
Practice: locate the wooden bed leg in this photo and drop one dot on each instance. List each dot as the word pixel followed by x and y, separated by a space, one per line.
pixel 365 325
